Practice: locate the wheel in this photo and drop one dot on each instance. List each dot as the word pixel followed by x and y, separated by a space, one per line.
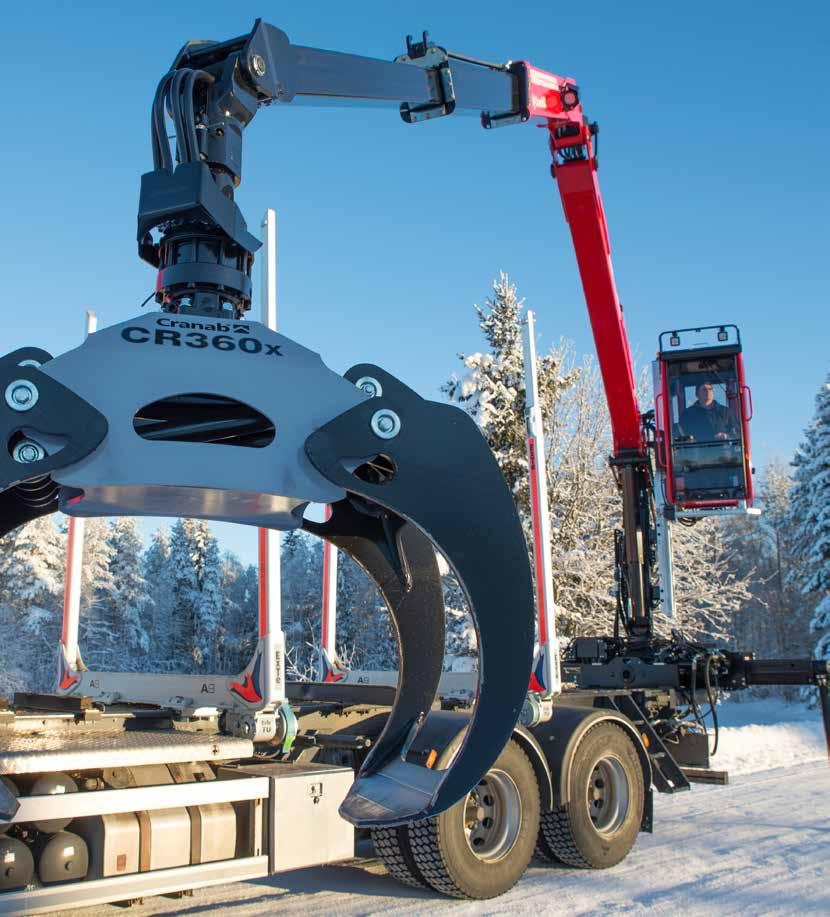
pixel 392 848
pixel 600 823
pixel 481 846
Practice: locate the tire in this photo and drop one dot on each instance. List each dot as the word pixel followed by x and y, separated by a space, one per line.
pixel 443 847
pixel 392 848
pixel 600 823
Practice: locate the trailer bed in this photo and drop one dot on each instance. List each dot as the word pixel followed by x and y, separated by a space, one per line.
pixel 61 751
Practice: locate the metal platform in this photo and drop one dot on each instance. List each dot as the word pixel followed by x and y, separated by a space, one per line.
pixel 35 754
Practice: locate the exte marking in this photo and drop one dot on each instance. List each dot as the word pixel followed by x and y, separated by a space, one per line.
pixel 198 340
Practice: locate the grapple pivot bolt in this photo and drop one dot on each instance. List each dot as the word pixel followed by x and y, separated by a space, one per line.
pixel 28 451
pixel 21 395
pixel 386 424
pixel 370 385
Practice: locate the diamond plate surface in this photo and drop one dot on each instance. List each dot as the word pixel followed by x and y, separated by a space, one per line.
pixel 55 752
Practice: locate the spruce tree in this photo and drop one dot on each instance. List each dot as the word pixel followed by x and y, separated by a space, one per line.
pixel 100 640
pixel 32 567
pixel 207 618
pixel 184 596
pixel 155 569
pixel 811 519
pixel 584 502
pixel 239 613
pixel 129 598
pixel 582 497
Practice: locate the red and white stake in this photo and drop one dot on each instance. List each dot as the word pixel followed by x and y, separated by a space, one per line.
pixel 546 678
pixel 72 584
pixel 328 637
pixel 270 599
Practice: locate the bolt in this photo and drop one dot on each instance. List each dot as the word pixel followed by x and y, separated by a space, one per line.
pixel 28 451
pixel 258 65
pixel 386 424
pixel 21 395
pixel 370 385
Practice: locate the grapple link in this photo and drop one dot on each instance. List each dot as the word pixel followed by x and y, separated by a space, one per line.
pixel 143 418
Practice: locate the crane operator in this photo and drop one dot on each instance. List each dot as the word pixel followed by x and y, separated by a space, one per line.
pixel 707 420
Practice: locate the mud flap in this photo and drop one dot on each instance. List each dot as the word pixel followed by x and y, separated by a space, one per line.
pixel 438 475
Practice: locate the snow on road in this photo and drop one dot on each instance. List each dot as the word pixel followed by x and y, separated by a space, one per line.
pixel 761 734
pixel 758 846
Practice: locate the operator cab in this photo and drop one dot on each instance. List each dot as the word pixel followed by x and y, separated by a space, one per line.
pixel 702 410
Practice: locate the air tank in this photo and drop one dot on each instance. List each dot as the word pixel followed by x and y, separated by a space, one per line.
pixel 61 857
pixel 17 866
pixel 53 785
pixel 9 785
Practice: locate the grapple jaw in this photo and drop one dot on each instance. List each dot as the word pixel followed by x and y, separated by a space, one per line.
pixel 404 476
pixel 443 480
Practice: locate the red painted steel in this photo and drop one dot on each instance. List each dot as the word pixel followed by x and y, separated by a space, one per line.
pixel 746 415
pixel 570 136
pixel 581 200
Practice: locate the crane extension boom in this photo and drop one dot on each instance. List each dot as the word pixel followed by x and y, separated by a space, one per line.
pixel 264 67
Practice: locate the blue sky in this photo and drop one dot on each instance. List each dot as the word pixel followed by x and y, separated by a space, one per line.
pixel 712 165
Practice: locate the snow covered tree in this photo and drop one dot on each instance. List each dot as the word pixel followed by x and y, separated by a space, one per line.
pixel 184 596
pixel 811 519
pixel 32 566
pixel 582 496
pixel 240 585
pixel 584 500
pixel 773 622
pixel 709 586
pixel 129 598
pixel 207 621
pixel 461 641
pixel 492 389
pixel 301 558
pixel 194 571
pixel 365 631
pixel 100 641
pixel 155 570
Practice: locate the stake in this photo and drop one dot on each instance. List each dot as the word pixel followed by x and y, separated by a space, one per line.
pixel 72 584
pixel 328 639
pixel 547 664
pixel 270 598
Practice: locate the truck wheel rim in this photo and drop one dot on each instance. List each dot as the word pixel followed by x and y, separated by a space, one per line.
pixel 493 816
pixel 608 795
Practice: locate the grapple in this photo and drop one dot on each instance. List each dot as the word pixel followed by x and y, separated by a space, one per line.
pixel 168 415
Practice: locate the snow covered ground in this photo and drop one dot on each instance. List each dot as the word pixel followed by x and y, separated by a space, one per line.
pixel 758 846
pixel 760 735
